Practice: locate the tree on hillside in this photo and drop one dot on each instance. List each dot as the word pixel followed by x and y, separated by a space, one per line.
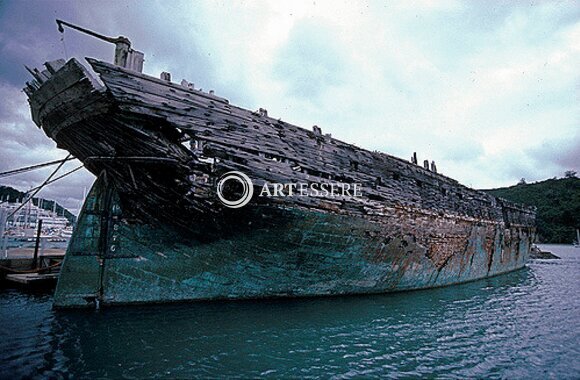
pixel 558 206
pixel 570 174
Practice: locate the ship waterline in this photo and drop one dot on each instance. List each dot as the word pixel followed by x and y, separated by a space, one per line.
pixel 153 229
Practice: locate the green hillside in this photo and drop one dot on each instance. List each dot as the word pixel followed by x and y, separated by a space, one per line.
pixel 558 203
pixel 12 195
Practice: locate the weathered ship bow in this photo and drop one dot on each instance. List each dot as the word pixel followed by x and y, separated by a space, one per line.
pixel 153 228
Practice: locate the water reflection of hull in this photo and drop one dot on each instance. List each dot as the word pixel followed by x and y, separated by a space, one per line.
pixel 394 335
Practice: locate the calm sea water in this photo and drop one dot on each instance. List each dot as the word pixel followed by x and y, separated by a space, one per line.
pixel 521 325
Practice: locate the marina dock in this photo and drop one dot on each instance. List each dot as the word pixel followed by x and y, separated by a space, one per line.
pixel 19 266
pixel 33 278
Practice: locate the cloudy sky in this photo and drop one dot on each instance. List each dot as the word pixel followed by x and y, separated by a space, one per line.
pixel 489 90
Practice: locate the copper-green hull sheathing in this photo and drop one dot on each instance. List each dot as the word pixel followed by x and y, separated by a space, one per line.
pixel 112 260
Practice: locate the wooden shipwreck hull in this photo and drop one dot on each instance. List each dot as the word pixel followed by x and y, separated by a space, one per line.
pixel 153 229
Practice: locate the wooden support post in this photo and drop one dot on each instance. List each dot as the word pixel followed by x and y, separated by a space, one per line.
pixel 433 167
pixel 38 232
pixel 3 219
pixel 122 53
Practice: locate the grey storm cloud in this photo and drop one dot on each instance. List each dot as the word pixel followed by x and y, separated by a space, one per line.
pixel 565 155
pixel 29 36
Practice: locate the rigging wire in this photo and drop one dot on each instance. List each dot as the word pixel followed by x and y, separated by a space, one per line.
pixel 34 167
pixel 59 177
pixel 54 180
pixel 29 197
pixel 64 46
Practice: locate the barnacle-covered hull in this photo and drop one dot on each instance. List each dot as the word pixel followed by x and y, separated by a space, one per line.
pixel 153 230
